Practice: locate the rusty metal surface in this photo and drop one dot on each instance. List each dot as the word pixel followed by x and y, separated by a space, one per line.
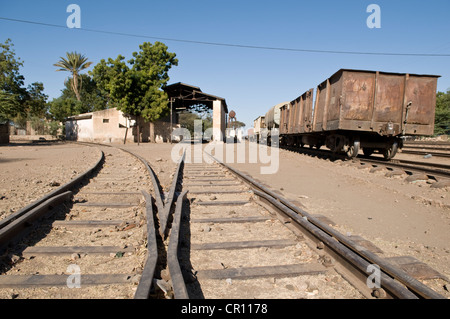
pixel 319 107
pixel 357 108
pixel 421 92
pixel 357 96
pixel 296 116
pixel 389 104
pixel 284 115
pixel 293 116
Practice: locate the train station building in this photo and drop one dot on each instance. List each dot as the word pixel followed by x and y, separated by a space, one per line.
pixel 184 97
pixel 113 126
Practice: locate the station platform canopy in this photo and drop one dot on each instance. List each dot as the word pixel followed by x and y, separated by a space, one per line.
pixel 189 97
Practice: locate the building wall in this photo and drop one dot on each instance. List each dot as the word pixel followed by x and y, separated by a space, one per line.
pixel 110 126
pixel 258 124
pixel 162 132
pixel 79 130
pixel 219 120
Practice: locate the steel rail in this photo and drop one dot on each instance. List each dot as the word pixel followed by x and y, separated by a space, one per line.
pixel 400 275
pixel 158 194
pixel 436 165
pixel 178 283
pixel 436 154
pixel 159 198
pixel 64 188
pixel 16 227
pixel 164 209
pixel 361 264
pixel 413 166
pixel 146 281
pixel 427 147
pixel 165 213
pixel 432 169
pixel 442 143
pixel 15 224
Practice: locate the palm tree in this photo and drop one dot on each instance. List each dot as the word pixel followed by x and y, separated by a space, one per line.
pixel 74 63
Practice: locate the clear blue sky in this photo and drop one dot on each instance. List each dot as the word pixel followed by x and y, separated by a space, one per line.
pixel 251 80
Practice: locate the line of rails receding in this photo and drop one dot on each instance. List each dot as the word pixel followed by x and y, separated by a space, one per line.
pixel 347 256
pixel 435 171
pixel 167 257
pixel 427 148
pixel 88 233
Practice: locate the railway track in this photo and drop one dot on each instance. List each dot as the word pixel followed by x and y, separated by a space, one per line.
pixel 95 238
pixel 216 234
pixel 425 148
pixel 235 238
pixel 439 173
pixel 235 248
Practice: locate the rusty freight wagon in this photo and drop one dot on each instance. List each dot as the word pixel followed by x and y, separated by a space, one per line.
pixel 271 123
pixel 296 116
pixel 368 110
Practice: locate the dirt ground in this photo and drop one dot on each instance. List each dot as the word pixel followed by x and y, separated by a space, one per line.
pixel 399 217
pixel 29 171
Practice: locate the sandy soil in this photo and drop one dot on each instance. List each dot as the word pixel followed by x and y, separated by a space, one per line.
pixel 123 177
pixel 159 158
pixel 399 217
pixel 29 171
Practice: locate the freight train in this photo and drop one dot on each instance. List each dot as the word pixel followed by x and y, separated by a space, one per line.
pixel 357 110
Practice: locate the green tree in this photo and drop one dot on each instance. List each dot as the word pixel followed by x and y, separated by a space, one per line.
pixel 186 119
pixel 135 86
pixel 36 102
pixel 92 99
pixel 9 105
pixel 12 92
pixel 442 116
pixel 61 108
pixel 151 67
pixel 74 63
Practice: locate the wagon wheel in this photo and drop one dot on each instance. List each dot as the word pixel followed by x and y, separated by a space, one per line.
pixel 353 150
pixel 390 152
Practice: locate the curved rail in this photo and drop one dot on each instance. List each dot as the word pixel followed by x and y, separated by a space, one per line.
pixel 146 282
pixel 14 225
pixel 11 226
pixel 178 284
pixel 393 279
pixel 63 188
pixel 164 216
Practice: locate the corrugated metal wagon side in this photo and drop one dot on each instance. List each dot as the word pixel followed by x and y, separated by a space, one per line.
pixel 371 110
pixel 296 119
pixel 284 119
